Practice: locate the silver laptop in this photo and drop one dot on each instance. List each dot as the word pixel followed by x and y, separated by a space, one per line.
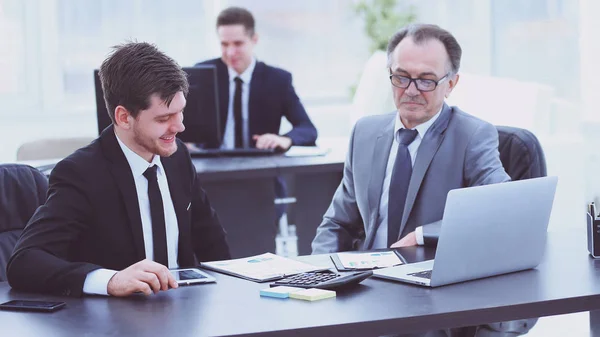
pixel 486 230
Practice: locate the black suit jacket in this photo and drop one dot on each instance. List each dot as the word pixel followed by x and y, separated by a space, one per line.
pixel 91 220
pixel 271 96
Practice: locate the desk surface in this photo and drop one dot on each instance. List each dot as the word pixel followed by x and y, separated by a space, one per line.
pixel 228 168
pixel 567 281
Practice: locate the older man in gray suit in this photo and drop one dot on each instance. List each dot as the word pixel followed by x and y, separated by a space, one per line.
pixel 446 149
pixel 400 166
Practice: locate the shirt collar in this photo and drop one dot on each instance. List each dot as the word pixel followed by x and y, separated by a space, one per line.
pixel 246 75
pixel 138 164
pixel 421 128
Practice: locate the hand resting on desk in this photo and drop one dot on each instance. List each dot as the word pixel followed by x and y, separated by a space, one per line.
pixel 145 276
pixel 272 141
pixel 409 240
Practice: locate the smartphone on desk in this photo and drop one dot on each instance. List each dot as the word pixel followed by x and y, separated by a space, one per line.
pixel 191 276
pixel 27 305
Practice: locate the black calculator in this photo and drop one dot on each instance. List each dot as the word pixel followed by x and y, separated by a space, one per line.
pixel 324 279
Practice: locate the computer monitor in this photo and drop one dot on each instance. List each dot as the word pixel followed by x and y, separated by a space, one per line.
pixel 201 114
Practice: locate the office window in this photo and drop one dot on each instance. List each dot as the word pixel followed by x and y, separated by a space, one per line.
pixel 17 20
pixel 533 40
pixel 46 87
pixel 320 42
pixel 538 42
pixel 88 28
pixel 48 62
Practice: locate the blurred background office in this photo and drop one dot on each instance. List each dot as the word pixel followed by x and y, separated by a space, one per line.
pixel 527 63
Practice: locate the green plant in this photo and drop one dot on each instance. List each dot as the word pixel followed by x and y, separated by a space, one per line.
pixel 382 20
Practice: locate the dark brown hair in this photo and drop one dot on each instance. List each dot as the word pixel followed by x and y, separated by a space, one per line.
pixel 135 71
pixel 423 32
pixel 236 16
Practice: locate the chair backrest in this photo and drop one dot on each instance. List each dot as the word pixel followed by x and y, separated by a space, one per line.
pixel 521 153
pixel 22 190
pixel 51 148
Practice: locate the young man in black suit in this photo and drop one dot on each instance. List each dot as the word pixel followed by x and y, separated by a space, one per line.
pixel 254 96
pixel 127 207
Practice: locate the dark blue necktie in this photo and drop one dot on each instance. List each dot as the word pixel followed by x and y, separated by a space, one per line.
pixel 237 113
pixel 399 184
pixel 157 213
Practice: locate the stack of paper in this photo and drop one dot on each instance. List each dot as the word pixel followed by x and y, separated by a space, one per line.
pixel 261 268
pixel 306 151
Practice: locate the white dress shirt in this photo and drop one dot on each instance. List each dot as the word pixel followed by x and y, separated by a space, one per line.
pixel 381 237
pixel 96 281
pixel 229 136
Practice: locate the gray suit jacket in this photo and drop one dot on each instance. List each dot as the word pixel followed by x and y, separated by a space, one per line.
pixel 458 150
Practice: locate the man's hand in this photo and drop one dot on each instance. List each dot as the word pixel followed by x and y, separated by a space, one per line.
pixel 409 240
pixel 271 141
pixel 145 276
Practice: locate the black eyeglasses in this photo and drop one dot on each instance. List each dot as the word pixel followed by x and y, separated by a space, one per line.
pixel 421 83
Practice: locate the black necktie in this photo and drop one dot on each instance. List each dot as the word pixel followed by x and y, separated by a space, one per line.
pixel 237 113
pixel 399 184
pixel 157 212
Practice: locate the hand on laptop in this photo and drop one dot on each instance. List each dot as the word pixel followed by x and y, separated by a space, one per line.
pixel 145 276
pixel 272 141
pixel 409 240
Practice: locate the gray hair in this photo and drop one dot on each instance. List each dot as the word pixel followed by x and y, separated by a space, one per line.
pixel 424 32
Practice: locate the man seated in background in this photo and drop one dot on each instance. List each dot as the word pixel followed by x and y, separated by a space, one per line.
pixel 127 207
pixel 253 96
pixel 401 166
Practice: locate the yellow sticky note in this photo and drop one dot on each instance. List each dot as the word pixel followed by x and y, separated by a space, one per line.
pixel 312 294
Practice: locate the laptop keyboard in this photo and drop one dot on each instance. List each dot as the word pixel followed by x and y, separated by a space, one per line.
pixel 422 274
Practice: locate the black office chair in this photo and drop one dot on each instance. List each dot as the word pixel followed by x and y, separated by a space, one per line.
pixel 22 190
pixel 522 156
pixel 521 153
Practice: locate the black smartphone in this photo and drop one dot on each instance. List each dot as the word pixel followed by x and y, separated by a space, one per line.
pixel 26 305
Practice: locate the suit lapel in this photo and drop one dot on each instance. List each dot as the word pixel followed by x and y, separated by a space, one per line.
pixel 428 148
pixel 181 201
pixel 223 79
pixel 381 152
pixel 119 168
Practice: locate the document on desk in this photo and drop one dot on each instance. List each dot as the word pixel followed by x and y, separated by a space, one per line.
pixel 366 260
pixel 260 268
pixel 306 151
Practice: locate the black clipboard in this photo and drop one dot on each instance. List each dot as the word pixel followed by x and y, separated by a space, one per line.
pixel 340 267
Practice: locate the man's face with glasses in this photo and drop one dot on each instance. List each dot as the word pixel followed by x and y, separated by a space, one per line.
pixel 420 79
